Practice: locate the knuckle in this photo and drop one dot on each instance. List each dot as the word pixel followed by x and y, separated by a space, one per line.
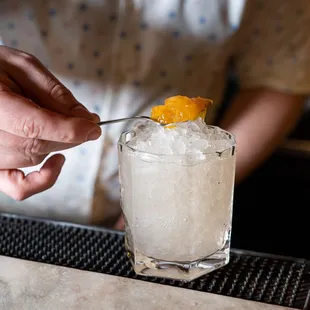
pixel 73 132
pixel 28 57
pixel 29 128
pixel 58 91
pixel 23 59
pixel 16 190
pixel 68 137
pixel 19 194
pixel 32 147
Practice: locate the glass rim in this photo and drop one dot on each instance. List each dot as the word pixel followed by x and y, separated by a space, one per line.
pixel 231 139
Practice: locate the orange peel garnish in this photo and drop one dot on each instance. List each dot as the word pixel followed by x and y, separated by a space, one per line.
pixel 180 109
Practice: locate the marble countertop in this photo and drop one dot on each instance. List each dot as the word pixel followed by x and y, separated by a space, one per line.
pixel 30 285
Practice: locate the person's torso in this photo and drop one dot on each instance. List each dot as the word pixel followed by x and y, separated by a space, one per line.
pixel 118 57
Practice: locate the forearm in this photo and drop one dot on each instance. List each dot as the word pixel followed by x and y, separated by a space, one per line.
pixel 260 120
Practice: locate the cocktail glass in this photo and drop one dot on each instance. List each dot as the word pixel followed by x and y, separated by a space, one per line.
pixel 177 208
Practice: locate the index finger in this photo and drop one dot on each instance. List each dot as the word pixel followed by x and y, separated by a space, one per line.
pixel 22 117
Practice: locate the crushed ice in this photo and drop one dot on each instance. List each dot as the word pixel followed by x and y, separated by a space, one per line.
pixel 185 139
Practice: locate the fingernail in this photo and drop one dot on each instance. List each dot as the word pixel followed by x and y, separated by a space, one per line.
pixel 94 135
pixel 96 117
pixel 81 112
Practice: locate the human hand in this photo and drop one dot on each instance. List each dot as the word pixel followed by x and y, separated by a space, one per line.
pixel 38 115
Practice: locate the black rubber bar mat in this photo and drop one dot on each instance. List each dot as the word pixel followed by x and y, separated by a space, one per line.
pixel 249 275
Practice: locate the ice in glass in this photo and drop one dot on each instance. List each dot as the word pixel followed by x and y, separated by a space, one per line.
pixel 177 191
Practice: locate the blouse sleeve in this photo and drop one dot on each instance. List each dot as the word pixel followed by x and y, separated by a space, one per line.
pixel 273 45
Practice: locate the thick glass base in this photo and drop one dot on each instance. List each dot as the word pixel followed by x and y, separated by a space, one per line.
pixel 184 271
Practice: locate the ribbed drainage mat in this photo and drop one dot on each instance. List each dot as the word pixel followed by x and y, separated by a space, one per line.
pixel 249 275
